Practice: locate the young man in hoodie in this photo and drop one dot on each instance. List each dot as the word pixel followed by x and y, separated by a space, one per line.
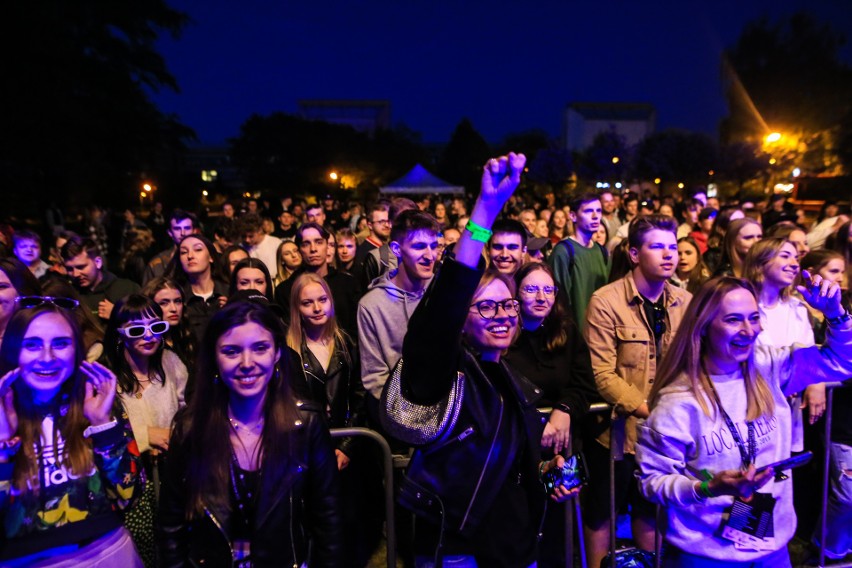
pixel 384 310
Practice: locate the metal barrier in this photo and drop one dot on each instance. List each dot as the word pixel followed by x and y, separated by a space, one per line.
pixel 387 463
pixel 829 402
pixel 575 514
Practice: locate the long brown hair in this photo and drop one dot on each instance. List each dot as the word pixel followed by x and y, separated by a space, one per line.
pixel 556 323
pixel 729 249
pixel 684 360
pixel 202 432
pixel 67 407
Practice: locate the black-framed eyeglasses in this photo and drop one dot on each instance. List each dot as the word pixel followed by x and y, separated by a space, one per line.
pixel 58 301
pixel 532 290
pixel 488 308
pixel 139 330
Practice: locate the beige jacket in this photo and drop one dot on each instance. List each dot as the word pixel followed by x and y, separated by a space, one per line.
pixel 621 342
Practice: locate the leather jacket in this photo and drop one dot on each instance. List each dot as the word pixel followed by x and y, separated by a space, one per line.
pixel 339 389
pixel 295 513
pixel 459 476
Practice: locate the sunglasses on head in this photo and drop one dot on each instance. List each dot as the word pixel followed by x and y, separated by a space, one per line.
pixel 140 329
pixel 34 301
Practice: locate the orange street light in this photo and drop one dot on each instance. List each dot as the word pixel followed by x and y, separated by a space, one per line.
pixel 773 137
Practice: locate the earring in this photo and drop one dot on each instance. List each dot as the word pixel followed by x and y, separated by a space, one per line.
pixel 216 379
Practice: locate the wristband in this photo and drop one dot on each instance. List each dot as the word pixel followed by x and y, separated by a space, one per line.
pixel 88 432
pixel 478 232
pixel 839 320
pixel 704 487
pixel 541 471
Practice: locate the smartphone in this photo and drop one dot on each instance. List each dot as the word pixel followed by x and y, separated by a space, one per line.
pixel 573 474
pixel 789 463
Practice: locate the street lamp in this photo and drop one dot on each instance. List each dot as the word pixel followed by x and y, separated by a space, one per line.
pixel 773 137
pixel 333 176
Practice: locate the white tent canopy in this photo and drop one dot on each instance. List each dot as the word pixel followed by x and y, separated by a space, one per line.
pixel 420 181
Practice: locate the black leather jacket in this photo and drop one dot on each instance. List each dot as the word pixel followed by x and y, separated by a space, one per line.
pixel 463 472
pixel 339 389
pixel 293 512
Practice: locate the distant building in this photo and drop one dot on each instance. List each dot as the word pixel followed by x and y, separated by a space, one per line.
pixel 364 116
pixel 211 168
pixel 584 121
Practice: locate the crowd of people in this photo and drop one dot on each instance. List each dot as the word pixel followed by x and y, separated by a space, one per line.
pixel 167 395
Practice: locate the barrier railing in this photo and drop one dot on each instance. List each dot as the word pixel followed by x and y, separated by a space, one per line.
pixel 829 403
pixel 387 466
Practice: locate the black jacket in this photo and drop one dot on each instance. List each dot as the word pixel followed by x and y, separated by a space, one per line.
pixel 496 439
pixel 294 512
pixel 564 376
pixel 339 389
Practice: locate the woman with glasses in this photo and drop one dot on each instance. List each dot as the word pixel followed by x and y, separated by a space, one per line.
pixel 166 293
pixel 68 464
pixel 250 478
pixel 151 384
pixel 474 480
pixel 15 280
pixel 63 294
pixel 551 352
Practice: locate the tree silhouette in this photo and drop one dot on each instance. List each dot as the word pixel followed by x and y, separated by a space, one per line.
pixel 788 77
pixel 462 159
pixel 77 119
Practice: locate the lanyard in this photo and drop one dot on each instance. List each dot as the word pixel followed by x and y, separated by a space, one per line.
pixel 747 456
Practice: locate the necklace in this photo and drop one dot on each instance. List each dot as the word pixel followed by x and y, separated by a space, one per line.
pixel 256 428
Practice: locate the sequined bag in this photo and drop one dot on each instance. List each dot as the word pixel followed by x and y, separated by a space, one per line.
pixel 418 424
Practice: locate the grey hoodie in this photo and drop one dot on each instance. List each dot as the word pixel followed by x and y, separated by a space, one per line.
pixel 383 315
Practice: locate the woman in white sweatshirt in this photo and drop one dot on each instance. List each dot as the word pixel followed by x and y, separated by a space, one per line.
pixel 718 413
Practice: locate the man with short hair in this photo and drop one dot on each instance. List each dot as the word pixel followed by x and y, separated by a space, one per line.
pixel 384 310
pixel 688 211
pixel 228 210
pixel 314 213
pixel 528 219
pixel 312 240
pixel 378 220
pixel 380 260
pixel 99 290
pixel 181 224
pixel 26 246
pixel 629 326
pixel 508 246
pixel 610 213
pixel 286 228
pixel 257 243
pixel 579 264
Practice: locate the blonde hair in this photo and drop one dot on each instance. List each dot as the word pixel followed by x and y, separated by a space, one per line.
pixel 685 356
pixel 295 332
pixel 761 254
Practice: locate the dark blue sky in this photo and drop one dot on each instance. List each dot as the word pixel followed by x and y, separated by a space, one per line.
pixel 508 66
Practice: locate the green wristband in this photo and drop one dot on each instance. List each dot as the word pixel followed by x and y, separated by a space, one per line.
pixel 704 487
pixel 478 232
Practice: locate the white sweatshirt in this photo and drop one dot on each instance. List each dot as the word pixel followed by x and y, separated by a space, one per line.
pixel 678 440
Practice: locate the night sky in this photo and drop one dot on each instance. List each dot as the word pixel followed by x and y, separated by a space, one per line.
pixel 507 66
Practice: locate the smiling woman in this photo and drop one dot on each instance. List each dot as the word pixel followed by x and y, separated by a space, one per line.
pixel 251 476
pixel 715 381
pixel 489 514
pixel 151 386
pixel 66 464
